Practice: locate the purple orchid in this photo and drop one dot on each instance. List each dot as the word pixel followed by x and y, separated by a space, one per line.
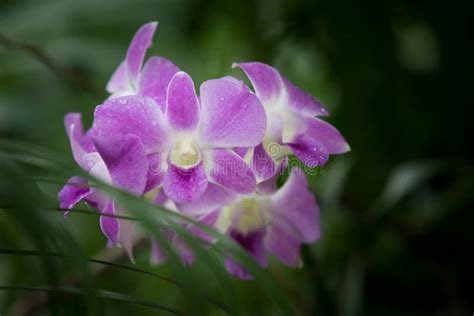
pixel 215 158
pixel 193 136
pixel 271 220
pixel 117 160
pixel 291 123
pixel 152 81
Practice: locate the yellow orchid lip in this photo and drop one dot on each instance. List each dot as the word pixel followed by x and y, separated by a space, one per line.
pixel 185 154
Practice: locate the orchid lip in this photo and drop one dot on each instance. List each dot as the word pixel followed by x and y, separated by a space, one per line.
pixel 246 216
pixel 185 154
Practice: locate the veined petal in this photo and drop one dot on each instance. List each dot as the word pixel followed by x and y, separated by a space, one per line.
pixel 283 245
pixel 231 116
pixel 230 171
pixel 302 102
pixel 182 105
pixel 119 82
pixel 214 197
pixel 110 225
pixel 265 79
pixel 73 192
pixel 154 79
pixel 125 159
pixel 295 208
pixel 185 185
pixel 137 49
pixel 327 135
pixel 133 115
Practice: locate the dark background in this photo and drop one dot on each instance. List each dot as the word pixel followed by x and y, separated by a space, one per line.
pixel 397 77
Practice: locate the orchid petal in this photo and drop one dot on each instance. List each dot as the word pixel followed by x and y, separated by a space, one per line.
pixel 73 124
pixel 133 115
pixel 283 245
pixel 137 49
pixel 154 79
pixel 185 185
pixel 269 186
pixel 295 207
pixel 253 244
pixel 327 135
pixel 262 164
pixel 215 196
pixel 266 81
pixel 182 105
pixel 73 192
pixel 127 230
pixel 110 225
pixel 231 116
pixel 302 102
pixel 156 172
pixel 158 256
pixel 125 160
pixel 119 82
pixel 230 171
pixel 309 150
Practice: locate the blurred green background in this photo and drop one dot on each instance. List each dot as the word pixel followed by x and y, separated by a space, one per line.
pixel 396 76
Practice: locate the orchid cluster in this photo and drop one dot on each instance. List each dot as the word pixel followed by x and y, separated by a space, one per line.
pixel 214 157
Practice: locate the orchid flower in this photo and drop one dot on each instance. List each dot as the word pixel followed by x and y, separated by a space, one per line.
pixel 117 160
pixel 193 137
pixel 270 220
pixel 152 81
pixel 291 123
